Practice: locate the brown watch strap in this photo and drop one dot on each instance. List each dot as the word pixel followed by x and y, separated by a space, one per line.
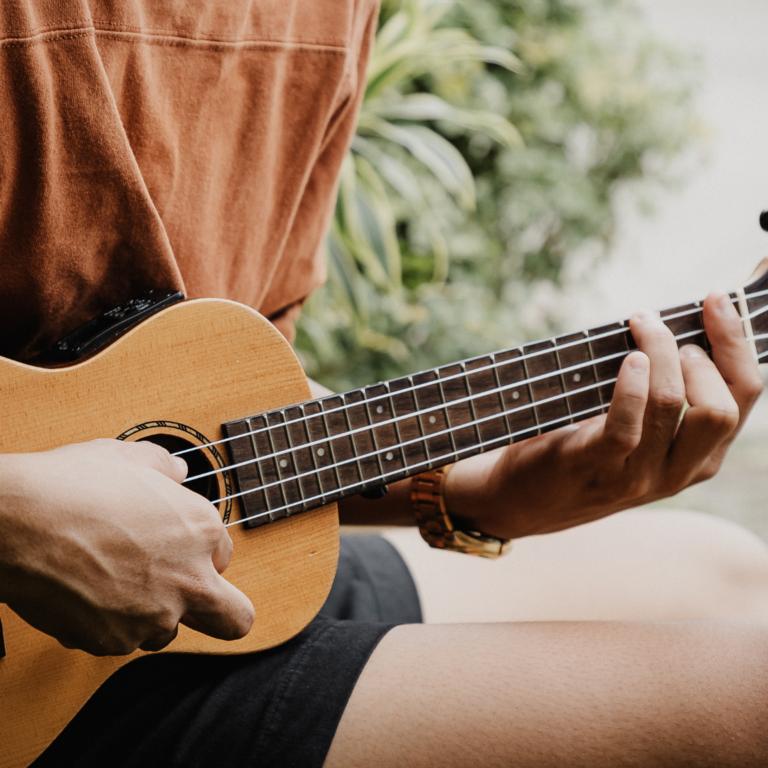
pixel 437 527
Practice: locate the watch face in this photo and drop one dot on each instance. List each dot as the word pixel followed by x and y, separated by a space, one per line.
pixel 475 543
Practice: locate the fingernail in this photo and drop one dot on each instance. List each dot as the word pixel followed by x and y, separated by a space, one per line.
pixel 691 350
pixel 638 362
pixel 181 465
pixel 644 316
pixel 724 304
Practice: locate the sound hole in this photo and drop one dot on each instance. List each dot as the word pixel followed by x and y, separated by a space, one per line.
pixel 197 462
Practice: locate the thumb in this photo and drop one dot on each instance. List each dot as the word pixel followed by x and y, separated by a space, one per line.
pixel 225 612
pixel 151 455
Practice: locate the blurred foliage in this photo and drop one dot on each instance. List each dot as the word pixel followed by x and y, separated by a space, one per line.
pixel 494 138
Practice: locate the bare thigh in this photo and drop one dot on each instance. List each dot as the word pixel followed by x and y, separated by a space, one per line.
pixel 640 565
pixel 560 694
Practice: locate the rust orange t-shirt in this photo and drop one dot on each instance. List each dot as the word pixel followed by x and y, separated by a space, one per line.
pixel 188 144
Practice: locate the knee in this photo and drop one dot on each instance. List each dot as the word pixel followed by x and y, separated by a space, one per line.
pixel 731 563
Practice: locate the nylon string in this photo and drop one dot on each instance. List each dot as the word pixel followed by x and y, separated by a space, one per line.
pixel 440 406
pixel 447 457
pixel 438 381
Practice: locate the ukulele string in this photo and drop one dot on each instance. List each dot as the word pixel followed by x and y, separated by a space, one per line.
pixel 448 457
pixel 421 439
pixel 431 461
pixel 440 406
pixel 435 382
pixel 439 381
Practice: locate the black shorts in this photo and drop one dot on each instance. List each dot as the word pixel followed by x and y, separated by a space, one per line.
pixel 276 708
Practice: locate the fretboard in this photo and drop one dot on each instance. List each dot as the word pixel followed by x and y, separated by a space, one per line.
pixel 303 456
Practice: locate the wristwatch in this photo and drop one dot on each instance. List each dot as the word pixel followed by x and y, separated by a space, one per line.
pixel 436 525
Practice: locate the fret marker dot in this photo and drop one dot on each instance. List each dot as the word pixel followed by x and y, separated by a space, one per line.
pixel 379 409
pixel 577 377
pixel 321 451
pixel 389 455
pixel 515 395
pixel 283 463
pixel 432 419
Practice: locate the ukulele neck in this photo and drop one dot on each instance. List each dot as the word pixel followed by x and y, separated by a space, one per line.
pixel 303 456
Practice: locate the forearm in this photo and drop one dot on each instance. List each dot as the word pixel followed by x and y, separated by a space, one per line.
pixel 391 509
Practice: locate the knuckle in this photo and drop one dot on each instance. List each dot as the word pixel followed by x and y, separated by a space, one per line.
pixel 210 524
pixel 166 624
pixel 673 483
pixel 197 591
pixel 723 420
pixel 639 487
pixel 623 439
pixel 754 387
pixel 152 454
pixel 708 471
pixel 668 399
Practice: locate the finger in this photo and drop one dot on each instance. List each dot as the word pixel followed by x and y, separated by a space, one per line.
pixel 223 612
pixel 730 351
pixel 160 641
pixel 222 554
pixel 152 455
pixel 666 394
pixel 709 423
pixel 623 427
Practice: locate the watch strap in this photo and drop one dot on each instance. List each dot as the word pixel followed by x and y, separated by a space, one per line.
pixel 436 525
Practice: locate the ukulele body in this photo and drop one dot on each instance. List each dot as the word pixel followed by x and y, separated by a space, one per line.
pixel 175 379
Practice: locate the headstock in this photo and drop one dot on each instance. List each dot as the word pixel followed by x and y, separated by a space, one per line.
pixel 756 295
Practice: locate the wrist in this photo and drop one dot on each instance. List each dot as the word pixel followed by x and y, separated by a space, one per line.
pixel 440 528
pixel 467 498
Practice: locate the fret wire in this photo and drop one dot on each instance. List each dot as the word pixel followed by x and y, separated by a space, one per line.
pixel 334 465
pixel 447 413
pixel 374 439
pixel 514 385
pixel 419 421
pixel 527 406
pixel 594 367
pixel 274 459
pixel 293 455
pixel 312 457
pixel 289 451
pixel 511 360
pixel 495 369
pixel 395 418
pixel 443 459
pixel 352 436
pixel 257 461
pixel 322 444
pixel 562 378
pixel 531 398
pixel 472 410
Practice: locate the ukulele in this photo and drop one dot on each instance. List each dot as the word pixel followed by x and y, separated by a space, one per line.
pixel 216 383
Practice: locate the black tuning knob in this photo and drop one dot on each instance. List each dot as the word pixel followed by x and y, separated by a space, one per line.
pixel 764 220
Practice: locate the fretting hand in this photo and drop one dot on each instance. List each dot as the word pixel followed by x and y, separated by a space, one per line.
pixel 645 448
pixel 104 549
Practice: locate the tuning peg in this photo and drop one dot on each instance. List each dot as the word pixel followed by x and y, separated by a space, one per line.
pixel 764 221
